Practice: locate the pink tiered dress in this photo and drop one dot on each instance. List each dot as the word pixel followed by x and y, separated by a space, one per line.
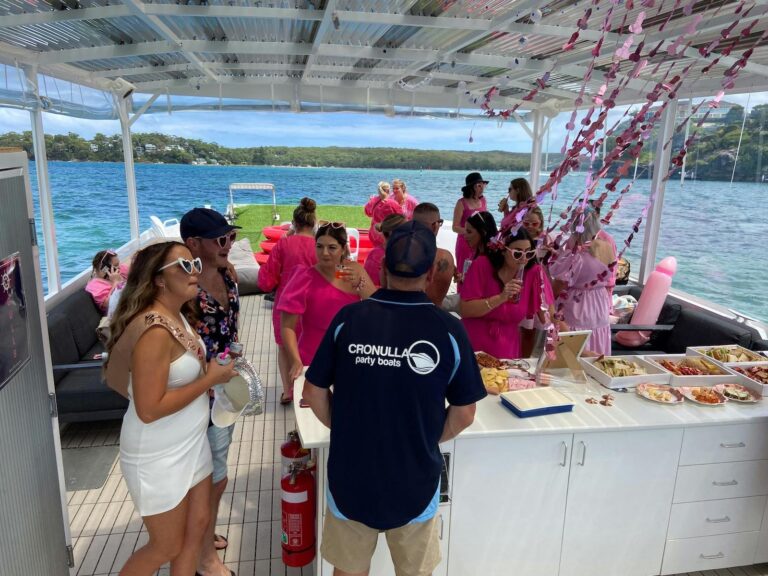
pixel 588 304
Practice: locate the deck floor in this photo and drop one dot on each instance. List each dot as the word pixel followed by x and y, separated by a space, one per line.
pixel 106 529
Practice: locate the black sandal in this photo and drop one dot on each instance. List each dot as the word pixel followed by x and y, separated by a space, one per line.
pixel 218 539
pixel 285 400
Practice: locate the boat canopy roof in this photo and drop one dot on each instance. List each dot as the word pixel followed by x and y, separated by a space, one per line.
pixel 413 57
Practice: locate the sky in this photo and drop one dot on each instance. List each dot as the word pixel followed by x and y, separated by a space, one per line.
pixel 248 129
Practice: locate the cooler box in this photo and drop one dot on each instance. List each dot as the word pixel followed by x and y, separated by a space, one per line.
pixel 536 402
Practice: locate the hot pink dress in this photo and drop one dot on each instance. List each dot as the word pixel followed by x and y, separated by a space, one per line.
pixel 588 304
pixel 373 264
pixel 378 209
pixel 463 251
pixel 288 252
pixel 316 301
pixel 497 332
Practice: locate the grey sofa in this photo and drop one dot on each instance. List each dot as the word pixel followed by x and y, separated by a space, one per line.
pixel 81 395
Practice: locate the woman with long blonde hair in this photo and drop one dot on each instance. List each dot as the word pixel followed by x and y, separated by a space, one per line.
pixel 158 361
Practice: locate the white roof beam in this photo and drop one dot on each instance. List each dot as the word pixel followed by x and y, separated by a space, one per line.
pixel 105 52
pixel 321 33
pixel 499 22
pixel 482 25
pixel 51 17
pixel 154 22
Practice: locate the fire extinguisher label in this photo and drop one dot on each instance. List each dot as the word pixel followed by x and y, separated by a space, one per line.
pixel 295 497
pixel 292 534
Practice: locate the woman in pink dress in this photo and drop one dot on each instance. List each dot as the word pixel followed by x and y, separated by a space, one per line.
pixel 378 208
pixel 472 201
pixel 296 249
pixel 581 274
pixel 494 302
pixel 478 231
pixel 375 259
pixel 519 191
pixel 314 294
pixel 405 200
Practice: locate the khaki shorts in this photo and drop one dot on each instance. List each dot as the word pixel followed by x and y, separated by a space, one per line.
pixel 349 546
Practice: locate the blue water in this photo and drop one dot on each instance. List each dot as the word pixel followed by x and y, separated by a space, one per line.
pixel 716 231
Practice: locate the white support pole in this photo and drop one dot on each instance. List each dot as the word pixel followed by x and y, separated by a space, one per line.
pixel 44 187
pixel 658 184
pixel 130 175
pixel 538 137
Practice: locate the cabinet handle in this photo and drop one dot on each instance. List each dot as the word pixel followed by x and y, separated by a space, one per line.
pixel 729 483
pixel 441 525
pixel 719 520
pixel 712 556
pixel 733 445
pixel 564 461
pixel 583 453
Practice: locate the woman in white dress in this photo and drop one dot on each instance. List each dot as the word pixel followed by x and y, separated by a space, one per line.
pixel 164 453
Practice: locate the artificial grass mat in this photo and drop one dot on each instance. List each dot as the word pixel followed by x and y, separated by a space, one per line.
pixel 254 217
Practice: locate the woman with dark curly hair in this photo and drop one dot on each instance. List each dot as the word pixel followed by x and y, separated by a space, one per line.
pixel 503 287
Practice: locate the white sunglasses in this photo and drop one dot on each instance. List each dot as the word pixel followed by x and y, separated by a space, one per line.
pixel 189 266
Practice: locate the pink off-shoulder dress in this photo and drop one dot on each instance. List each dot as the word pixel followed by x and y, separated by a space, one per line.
pixel 497 332
pixel 378 209
pixel 289 252
pixel 316 301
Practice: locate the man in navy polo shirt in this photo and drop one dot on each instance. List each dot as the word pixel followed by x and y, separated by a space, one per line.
pixel 393 360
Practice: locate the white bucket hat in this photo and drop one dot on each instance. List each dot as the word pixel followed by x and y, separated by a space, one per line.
pixel 229 402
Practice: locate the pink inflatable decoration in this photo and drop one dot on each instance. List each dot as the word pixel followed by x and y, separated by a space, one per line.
pixel 650 303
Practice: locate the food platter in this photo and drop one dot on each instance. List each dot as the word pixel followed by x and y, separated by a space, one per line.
pixel 755 372
pixel 703 395
pixel 738 393
pixel 624 372
pixel 660 393
pixel 728 354
pixel 691 371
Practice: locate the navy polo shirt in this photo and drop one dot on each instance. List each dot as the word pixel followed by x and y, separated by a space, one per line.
pixel 393 360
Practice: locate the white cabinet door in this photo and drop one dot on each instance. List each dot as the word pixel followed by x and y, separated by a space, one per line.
pixel 508 505
pixel 619 501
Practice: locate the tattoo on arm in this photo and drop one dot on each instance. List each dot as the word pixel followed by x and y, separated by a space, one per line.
pixel 442 265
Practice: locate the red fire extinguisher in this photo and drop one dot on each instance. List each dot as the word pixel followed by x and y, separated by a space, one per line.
pixel 292 452
pixel 298 507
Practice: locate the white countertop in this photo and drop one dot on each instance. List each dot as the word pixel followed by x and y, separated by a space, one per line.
pixel 629 412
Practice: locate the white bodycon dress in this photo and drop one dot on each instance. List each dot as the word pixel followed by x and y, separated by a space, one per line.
pixel 162 460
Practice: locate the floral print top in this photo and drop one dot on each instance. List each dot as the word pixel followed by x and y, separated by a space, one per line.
pixel 217 326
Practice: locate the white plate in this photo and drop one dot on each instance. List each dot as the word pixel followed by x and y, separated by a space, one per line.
pixel 644 390
pixel 687 391
pixel 753 396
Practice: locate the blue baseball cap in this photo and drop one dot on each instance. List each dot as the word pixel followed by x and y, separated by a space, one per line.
pixel 410 250
pixel 204 223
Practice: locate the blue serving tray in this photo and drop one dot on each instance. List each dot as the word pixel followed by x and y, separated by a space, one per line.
pixel 536 402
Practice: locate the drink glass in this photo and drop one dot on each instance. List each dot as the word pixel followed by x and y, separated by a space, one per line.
pixel 235 349
pixel 341 271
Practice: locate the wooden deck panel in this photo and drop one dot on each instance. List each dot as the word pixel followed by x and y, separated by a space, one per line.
pixel 106 528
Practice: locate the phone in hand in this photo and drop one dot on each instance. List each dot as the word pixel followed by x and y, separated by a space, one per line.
pixel 303 403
